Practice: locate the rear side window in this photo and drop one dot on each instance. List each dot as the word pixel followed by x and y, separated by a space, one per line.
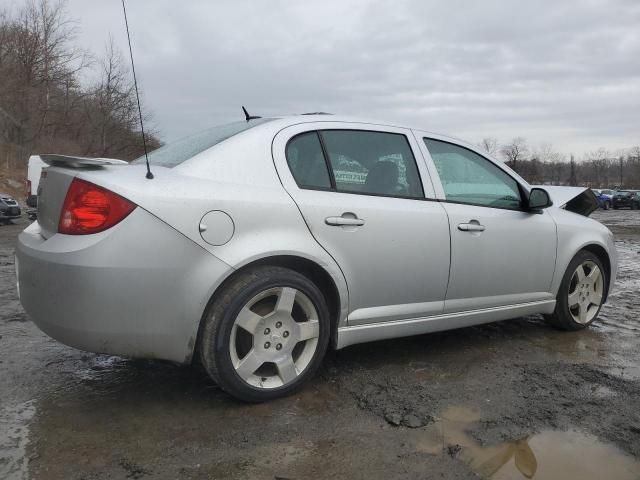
pixel 372 163
pixel 467 177
pixel 355 161
pixel 306 161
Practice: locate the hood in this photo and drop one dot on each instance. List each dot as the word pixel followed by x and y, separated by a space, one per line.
pixel 579 200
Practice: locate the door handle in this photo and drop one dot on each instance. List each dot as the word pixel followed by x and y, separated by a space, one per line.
pixel 472 226
pixel 344 221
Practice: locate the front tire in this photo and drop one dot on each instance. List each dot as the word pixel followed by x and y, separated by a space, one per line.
pixel 265 334
pixel 581 293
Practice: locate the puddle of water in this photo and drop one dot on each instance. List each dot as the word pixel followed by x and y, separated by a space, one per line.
pixel 571 454
pixel 14 437
pixel 547 455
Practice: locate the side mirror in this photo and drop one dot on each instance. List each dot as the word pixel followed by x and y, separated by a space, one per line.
pixel 539 199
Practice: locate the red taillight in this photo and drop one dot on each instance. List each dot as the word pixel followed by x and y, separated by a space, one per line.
pixel 89 208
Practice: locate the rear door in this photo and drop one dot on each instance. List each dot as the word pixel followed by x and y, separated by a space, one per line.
pixel 500 254
pixel 369 204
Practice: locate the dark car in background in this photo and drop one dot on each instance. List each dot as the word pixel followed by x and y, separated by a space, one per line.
pixel 9 208
pixel 623 199
pixel 635 201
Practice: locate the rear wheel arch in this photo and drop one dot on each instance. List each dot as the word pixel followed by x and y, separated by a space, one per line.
pixel 310 269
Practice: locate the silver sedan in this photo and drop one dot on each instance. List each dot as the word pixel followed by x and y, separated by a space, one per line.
pixel 259 244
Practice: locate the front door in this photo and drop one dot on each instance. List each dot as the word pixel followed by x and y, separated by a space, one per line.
pixel 500 254
pixel 362 194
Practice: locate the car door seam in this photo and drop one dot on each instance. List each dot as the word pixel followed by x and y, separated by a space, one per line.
pixel 273 158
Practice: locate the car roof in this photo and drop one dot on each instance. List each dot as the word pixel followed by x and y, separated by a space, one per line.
pixel 280 122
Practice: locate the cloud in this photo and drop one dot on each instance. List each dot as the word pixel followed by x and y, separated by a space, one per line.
pixel 560 72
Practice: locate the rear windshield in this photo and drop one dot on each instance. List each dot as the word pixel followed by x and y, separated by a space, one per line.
pixel 177 152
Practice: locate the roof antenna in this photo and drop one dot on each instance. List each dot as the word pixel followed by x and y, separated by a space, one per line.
pixel 135 83
pixel 246 114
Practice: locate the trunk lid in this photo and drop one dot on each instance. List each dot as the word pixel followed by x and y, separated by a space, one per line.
pixel 52 190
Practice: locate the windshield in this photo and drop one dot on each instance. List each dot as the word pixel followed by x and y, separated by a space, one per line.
pixel 177 152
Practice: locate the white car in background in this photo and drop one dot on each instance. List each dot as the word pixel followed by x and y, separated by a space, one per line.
pixel 258 244
pixel 34 170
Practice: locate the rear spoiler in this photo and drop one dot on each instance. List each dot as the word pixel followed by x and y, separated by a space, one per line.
pixel 79 162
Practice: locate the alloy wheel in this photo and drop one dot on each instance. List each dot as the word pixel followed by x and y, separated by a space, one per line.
pixel 586 292
pixel 274 337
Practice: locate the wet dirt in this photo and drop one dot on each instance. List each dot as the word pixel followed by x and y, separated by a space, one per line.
pixel 513 399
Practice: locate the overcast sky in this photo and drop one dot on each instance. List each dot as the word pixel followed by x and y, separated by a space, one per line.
pixel 565 72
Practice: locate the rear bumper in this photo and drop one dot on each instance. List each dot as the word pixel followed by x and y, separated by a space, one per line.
pixel 138 289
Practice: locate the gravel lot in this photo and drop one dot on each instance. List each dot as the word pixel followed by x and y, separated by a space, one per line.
pixel 508 400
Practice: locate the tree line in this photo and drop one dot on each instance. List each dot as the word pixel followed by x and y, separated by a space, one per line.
pixel 48 104
pixel 543 165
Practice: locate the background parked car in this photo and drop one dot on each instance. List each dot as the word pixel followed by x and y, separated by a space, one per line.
pixel 9 209
pixel 623 199
pixel 604 200
pixel 635 201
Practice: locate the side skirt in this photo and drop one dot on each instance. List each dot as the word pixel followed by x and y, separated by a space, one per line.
pixel 417 326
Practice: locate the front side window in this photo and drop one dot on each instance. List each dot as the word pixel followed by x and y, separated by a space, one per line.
pixel 372 163
pixel 467 177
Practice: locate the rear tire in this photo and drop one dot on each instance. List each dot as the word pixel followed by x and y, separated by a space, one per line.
pixel 265 334
pixel 581 293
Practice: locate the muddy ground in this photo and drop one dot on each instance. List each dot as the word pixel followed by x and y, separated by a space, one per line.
pixel 514 399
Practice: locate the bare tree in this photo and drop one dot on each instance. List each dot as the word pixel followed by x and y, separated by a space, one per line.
pixel 515 151
pixel 45 57
pixel 599 163
pixel 44 105
pixel 546 153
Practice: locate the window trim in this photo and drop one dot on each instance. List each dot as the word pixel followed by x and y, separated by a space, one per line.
pixel 327 160
pixel 521 189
